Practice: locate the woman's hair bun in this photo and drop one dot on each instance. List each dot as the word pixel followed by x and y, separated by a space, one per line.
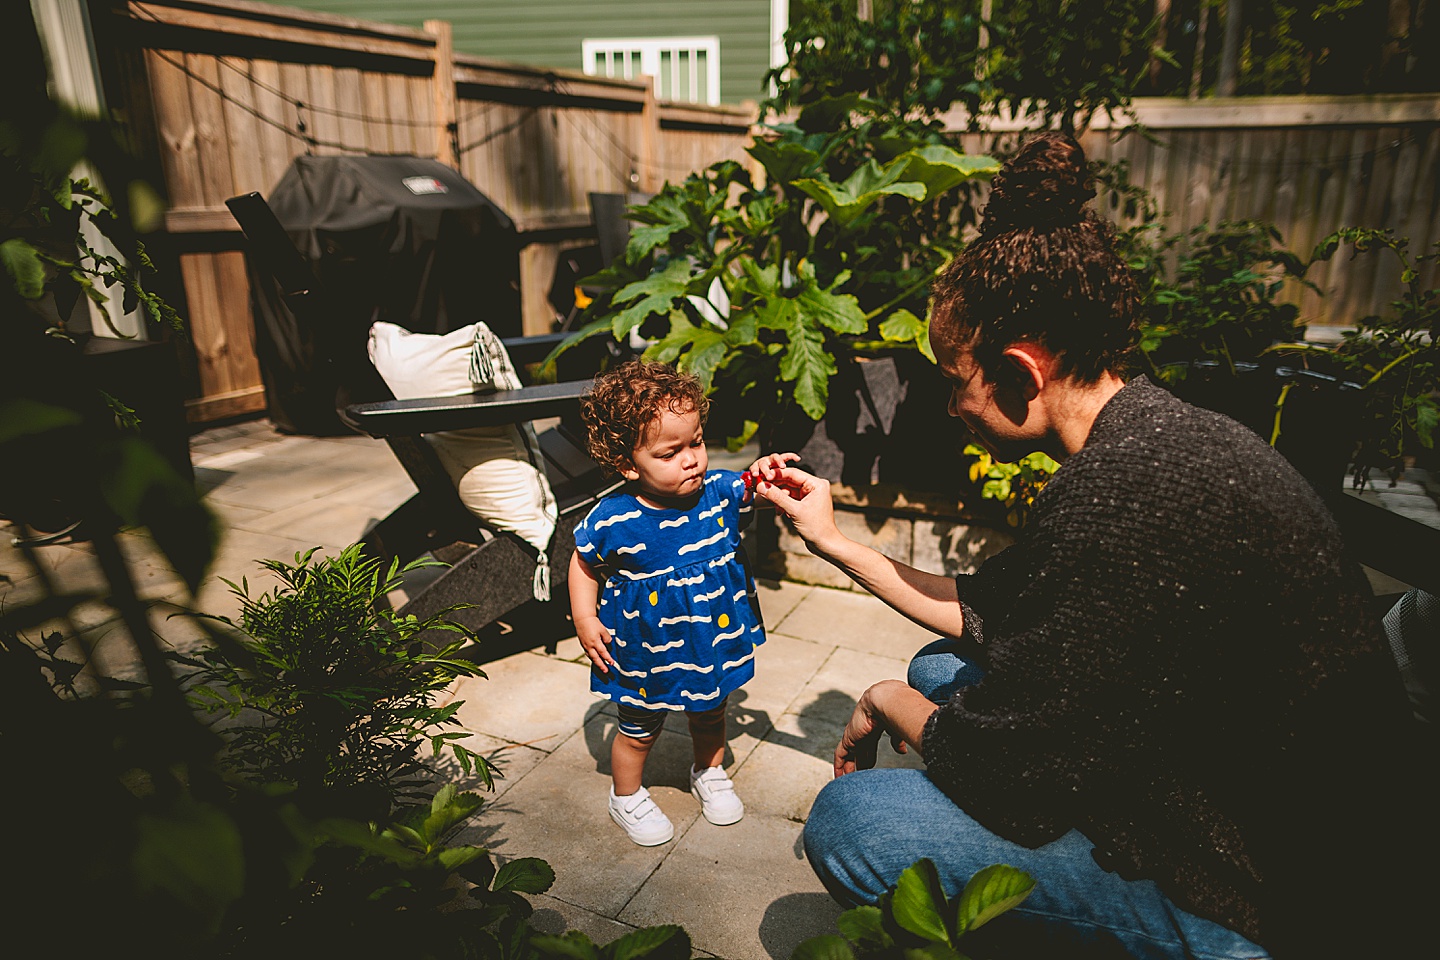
pixel 1045 184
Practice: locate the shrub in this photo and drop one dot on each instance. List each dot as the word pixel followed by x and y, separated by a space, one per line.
pixel 334 691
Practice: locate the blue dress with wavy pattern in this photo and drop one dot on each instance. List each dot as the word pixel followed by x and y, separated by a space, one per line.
pixel 677 598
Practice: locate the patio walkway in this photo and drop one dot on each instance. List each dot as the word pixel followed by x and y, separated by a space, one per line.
pixel 743 892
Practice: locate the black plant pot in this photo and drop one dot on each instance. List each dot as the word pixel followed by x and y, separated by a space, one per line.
pixel 886 423
pixel 1319 420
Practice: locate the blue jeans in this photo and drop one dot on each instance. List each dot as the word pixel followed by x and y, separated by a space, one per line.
pixel 868 826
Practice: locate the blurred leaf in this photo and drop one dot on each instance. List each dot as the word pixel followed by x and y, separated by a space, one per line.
pixel 193 853
pixel 143 489
pixel 824 947
pixel 668 942
pixel 23 264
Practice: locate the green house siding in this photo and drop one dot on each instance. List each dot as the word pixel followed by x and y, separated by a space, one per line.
pixel 549 32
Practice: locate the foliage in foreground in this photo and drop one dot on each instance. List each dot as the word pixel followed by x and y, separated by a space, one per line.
pixel 917 919
pixel 332 690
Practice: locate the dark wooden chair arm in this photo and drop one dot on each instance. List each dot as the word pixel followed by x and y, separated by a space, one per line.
pixel 1396 545
pixel 408 418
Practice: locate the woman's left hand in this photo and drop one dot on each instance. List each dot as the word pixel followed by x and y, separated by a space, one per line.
pixel 889 708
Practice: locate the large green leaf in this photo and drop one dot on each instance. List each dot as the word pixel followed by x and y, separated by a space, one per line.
pixel 843 202
pixel 990 893
pixel 525 875
pixel 809 366
pixel 27 271
pixel 656 221
pixel 838 311
pixel 708 349
pixel 574 945
pixel 682 334
pixel 864 926
pixel 667 942
pixel 783 162
pixel 825 947
pixel 919 902
pixel 192 852
pixel 940 168
pixel 902 326
pixel 657 292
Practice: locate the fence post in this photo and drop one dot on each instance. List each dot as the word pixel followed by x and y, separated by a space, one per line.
pixel 649 140
pixel 446 142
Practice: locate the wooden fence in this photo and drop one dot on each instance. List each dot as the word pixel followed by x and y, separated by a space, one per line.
pixel 225 93
pixel 1310 165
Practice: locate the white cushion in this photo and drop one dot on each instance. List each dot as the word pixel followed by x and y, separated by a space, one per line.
pixel 496 470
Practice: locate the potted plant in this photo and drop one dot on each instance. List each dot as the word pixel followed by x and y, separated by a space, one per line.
pixel 779 295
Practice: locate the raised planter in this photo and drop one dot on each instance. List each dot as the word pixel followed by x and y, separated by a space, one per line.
pixel 1319 418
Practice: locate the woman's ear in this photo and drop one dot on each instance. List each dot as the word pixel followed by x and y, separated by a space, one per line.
pixel 1027 368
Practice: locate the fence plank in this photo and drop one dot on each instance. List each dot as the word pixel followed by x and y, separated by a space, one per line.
pixel 241 125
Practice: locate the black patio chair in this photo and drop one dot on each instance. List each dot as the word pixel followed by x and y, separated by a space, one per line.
pixel 489 569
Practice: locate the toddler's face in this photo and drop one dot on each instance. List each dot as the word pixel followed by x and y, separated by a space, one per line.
pixel 670 460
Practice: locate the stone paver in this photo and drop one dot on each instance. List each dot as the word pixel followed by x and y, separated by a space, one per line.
pixel 743 892
pixel 856 621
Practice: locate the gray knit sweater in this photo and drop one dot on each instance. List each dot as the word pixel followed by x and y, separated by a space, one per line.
pixel 1185 668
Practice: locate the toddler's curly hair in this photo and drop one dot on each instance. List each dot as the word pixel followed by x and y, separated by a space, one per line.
pixel 627 400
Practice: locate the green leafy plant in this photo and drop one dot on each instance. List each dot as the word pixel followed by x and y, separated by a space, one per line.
pixel 1064 60
pixel 1224 302
pixel 331 690
pixel 1395 357
pixel 1014 486
pixel 763 292
pixel 917 919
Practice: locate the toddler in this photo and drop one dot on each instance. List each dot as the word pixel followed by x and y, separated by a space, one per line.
pixel 663 602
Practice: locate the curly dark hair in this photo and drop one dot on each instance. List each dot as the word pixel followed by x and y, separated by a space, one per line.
pixel 1043 270
pixel 627 400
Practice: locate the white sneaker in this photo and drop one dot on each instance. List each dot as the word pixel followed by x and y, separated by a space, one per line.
pixel 716 795
pixel 645 823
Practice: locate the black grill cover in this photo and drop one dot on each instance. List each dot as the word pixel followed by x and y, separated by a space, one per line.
pixel 396 238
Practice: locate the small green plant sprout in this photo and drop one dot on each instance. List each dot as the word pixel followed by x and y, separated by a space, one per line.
pixel 1395 356
pixel 1013 485
pixel 917 919
pixel 332 691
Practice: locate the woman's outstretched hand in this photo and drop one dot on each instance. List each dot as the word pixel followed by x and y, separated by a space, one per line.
pixel 805 499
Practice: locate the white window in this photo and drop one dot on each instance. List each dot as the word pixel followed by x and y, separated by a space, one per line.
pixel 685 69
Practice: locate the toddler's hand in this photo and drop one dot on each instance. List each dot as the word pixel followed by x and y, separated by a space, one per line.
pixel 596 641
pixel 768 468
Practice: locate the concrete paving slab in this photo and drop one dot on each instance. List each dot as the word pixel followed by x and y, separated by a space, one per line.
pixel 780 781
pixel 723 885
pixel 832 693
pixel 270 483
pixel 778 598
pixel 531 699
pixel 856 621
pixel 558 812
pixel 554 916
pixel 326 520
pixel 513 760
